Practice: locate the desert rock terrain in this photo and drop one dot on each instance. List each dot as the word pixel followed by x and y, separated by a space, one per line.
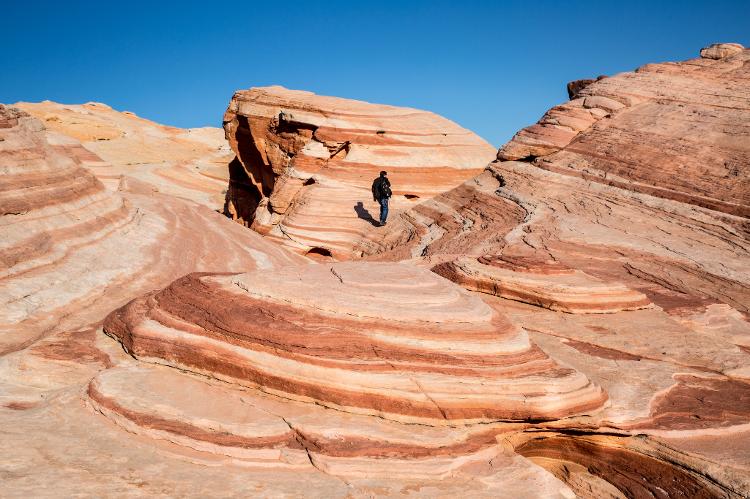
pixel 567 316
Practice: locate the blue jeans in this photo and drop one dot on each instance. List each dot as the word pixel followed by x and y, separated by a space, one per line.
pixel 383 209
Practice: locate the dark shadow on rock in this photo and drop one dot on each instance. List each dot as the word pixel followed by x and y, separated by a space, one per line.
pixel 364 214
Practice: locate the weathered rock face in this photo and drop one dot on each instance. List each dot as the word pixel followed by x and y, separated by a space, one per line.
pixel 543 283
pixel 305 164
pixel 471 219
pixel 186 163
pixel 330 335
pixel 70 249
pixel 337 452
pixel 574 87
pixel 721 50
pixel 672 130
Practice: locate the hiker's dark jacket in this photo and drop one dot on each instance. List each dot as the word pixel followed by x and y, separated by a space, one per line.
pixel 381 188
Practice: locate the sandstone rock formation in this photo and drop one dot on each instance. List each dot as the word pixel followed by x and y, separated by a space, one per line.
pixel 721 50
pixel 409 377
pixel 607 353
pixel 614 231
pixel 305 164
pixel 553 232
pixel 471 219
pixel 673 130
pixel 337 453
pixel 409 347
pixel 544 283
pixel 187 163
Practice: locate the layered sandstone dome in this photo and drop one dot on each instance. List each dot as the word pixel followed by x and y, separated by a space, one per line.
pixel 285 443
pixel 305 164
pixel 390 340
pixel 186 163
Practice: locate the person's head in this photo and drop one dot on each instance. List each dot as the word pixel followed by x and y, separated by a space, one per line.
pixel 383 173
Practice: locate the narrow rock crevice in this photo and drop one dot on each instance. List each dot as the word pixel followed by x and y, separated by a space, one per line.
pixel 636 466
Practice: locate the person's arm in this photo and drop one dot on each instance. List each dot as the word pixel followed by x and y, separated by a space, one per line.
pixel 375 190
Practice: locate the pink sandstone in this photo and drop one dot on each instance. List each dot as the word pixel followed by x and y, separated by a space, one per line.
pixel 409 347
pixel 688 118
pixel 673 230
pixel 546 284
pixel 70 249
pixel 305 164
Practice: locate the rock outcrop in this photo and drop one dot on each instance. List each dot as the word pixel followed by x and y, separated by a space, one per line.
pixel 322 369
pixel 408 346
pixel 543 283
pixel 615 232
pixel 469 220
pixel 283 437
pixel 721 50
pixel 672 130
pixel 186 163
pixel 305 164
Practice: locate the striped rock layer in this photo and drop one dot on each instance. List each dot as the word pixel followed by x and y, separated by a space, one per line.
pixel 305 164
pixel 672 130
pixel 262 430
pixel 390 340
pixel 71 250
pixel 468 220
pixel 545 284
pixel 186 163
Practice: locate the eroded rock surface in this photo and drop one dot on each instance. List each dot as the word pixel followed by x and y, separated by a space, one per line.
pixel 281 435
pixel 471 219
pixel 187 163
pixel 409 346
pixel 305 164
pixel 672 130
pixel 546 284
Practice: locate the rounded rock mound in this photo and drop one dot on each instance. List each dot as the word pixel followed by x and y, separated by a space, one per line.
pixel 390 340
pixel 305 164
pixel 721 50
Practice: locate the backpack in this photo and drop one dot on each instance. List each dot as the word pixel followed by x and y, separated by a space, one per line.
pixel 384 189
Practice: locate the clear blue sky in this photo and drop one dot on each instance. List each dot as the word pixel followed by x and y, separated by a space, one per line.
pixel 493 67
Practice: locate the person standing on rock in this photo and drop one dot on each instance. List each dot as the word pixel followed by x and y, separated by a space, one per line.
pixel 381 192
